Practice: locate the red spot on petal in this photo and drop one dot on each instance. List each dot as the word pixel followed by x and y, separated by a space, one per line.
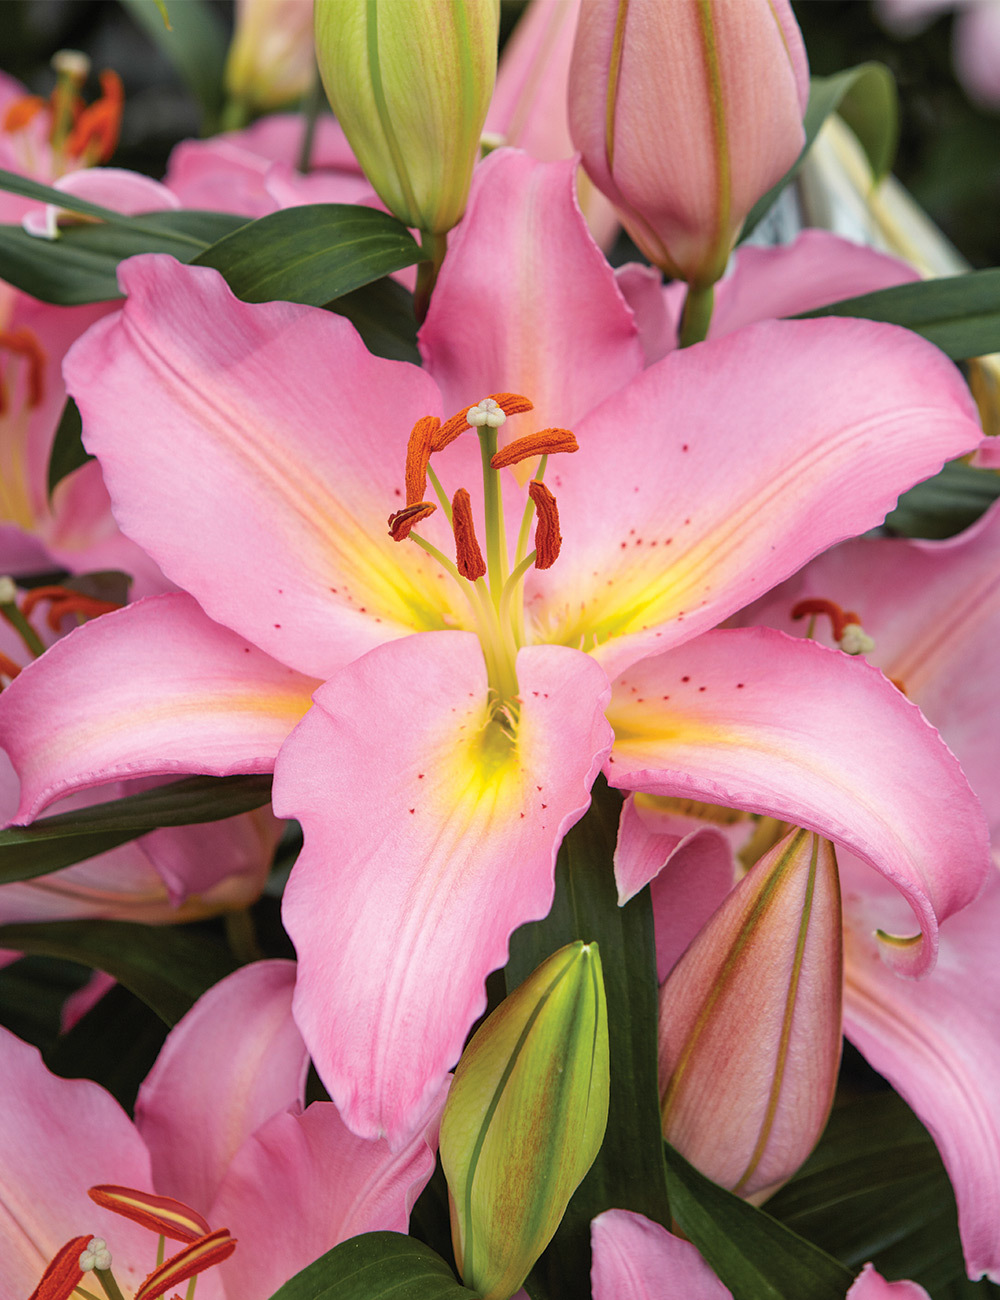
pixel 685 679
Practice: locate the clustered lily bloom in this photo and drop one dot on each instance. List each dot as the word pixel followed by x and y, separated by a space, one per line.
pixel 462 716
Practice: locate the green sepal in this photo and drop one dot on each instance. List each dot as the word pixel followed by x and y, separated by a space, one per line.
pixel 68 452
pixel 311 254
pixel 168 967
pixel 754 1255
pixel 376 1266
pixel 866 95
pixel 55 842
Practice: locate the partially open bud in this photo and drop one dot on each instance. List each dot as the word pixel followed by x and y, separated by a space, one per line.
pixel 270 63
pixel 686 113
pixel 410 82
pixel 525 1118
pixel 750 1022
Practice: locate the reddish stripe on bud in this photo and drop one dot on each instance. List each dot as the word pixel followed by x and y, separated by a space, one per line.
pixel 403 520
pixel 23 343
pixel 546 442
pixel 838 618
pixel 161 1214
pixel 201 1254
pixel 468 556
pixel 418 454
pixel 509 403
pixel 548 539
pixel 60 1279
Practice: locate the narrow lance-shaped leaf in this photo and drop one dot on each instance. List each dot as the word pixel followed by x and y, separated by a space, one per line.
pixel 55 842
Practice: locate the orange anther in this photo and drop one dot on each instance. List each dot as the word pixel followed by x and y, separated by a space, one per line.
pixel 548 539
pixel 546 442
pixel 468 556
pixel 839 619
pixel 96 130
pixel 403 520
pixel 8 668
pixel 161 1214
pixel 62 1276
pixel 23 343
pixel 21 111
pixel 195 1258
pixel 63 601
pixel 418 455
pixel 509 403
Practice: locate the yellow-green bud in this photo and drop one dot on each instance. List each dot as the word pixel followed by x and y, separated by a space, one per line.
pixel 525 1119
pixel 270 62
pixel 410 82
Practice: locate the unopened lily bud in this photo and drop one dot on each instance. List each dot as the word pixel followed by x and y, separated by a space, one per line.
pixel 750 1022
pixel 686 113
pixel 525 1118
pixel 270 61
pixel 410 82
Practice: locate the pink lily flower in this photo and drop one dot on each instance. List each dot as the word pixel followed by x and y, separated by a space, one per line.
pixel 636 1259
pixel 459 729
pixel 220 1127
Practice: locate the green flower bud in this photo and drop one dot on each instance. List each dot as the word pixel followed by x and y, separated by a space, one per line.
pixel 410 82
pixel 525 1119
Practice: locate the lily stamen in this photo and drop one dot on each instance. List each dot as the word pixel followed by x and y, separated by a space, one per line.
pixel 63 601
pixel 468 556
pixel 418 455
pixel 23 343
pixel 545 442
pixel 846 625
pixel 548 539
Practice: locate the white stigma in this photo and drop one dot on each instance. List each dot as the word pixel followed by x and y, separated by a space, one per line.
pixel 72 63
pixel 487 412
pixel 96 1255
pixel 8 591
pixel 855 641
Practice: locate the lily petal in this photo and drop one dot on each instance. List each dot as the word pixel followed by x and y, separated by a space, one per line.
pixel 869 1285
pixel 241 1036
pixel 550 321
pixel 637 1259
pixel 937 1041
pixel 725 486
pixel 757 720
pixel 285 481
pixel 154 689
pixel 308 1182
pixel 428 839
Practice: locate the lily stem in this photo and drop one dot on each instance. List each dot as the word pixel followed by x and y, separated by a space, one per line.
pixel 434 246
pixel 697 315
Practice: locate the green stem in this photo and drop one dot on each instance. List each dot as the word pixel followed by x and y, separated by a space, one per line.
pixel 235 115
pixel 311 106
pixel 496 534
pixel 111 1287
pixel 435 246
pixel 697 315
pixel 23 628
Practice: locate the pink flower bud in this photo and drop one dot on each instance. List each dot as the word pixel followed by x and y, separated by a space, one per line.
pixel 750 1022
pixel 686 113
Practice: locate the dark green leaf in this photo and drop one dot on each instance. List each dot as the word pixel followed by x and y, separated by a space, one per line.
pixel 874 91
pixel 68 452
pixel 376 1266
pixel 960 313
pixel 757 1257
pixel 311 254
pixel 169 967
pixel 628 1173
pixel 82 264
pixel 946 504
pixel 195 44
pixel 875 1189
pixel 55 842
pixel 33 992
pixel 382 313
pixel 115 1044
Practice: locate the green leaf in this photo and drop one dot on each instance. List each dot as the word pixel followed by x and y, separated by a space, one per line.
pixel 875 1189
pixel 959 313
pixel 82 264
pixel 311 254
pixel 376 1266
pixel 168 967
pixel 757 1257
pixel 68 452
pixel 946 504
pixel 55 842
pixel 382 313
pixel 194 42
pixel 629 1172
pixel 864 92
